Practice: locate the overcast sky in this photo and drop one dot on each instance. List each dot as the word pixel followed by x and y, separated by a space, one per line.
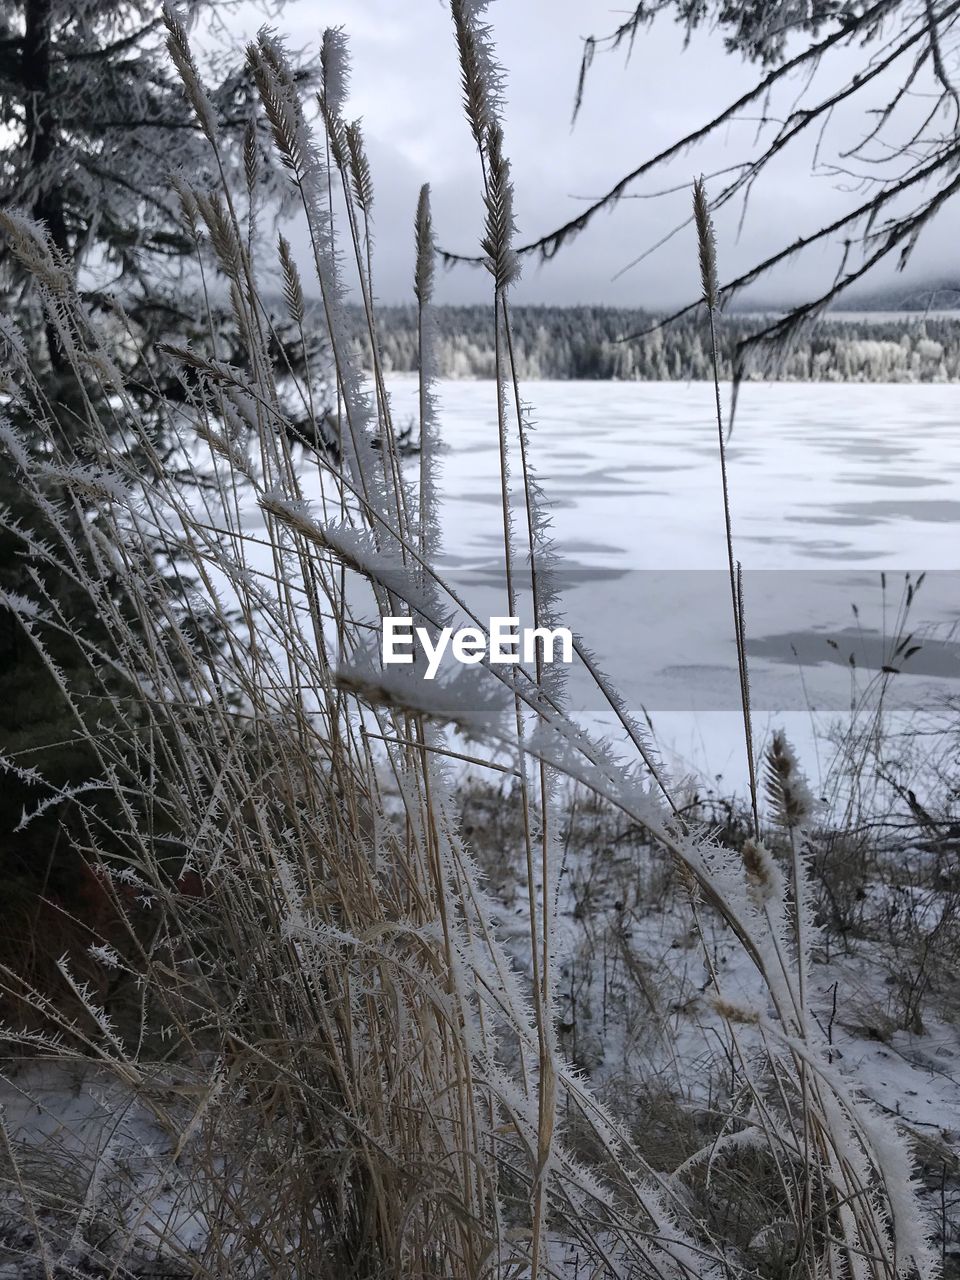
pixel 405 86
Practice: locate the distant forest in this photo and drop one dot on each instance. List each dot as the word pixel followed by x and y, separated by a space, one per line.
pixel 584 343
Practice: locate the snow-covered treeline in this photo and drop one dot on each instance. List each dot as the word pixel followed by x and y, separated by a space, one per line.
pixel 587 343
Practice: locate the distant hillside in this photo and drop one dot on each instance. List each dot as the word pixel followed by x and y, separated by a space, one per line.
pixel 920 296
pixel 585 343
pixel 931 295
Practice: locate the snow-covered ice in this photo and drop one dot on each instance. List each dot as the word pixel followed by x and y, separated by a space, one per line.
pixel 831 487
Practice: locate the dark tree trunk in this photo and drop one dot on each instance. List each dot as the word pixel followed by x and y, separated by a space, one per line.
pixel 41 136
pixel 41 120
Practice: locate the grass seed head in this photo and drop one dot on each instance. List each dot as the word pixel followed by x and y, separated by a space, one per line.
pixel 787 789
pixel 707 243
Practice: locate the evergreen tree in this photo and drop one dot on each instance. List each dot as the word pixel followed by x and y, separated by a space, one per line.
pixel 96 122
pixel 96 125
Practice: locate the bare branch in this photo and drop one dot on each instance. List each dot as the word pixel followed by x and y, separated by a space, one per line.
pixel 549 245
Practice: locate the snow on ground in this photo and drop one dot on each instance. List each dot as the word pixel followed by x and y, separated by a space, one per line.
pixel 635 998
pixel 106 1150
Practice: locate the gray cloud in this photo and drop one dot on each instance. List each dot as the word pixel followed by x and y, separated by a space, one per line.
pixel 405 85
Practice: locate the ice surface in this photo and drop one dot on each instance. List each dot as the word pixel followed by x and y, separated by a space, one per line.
pixel 831 485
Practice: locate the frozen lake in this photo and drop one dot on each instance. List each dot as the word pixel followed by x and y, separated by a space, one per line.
pixel 832 486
